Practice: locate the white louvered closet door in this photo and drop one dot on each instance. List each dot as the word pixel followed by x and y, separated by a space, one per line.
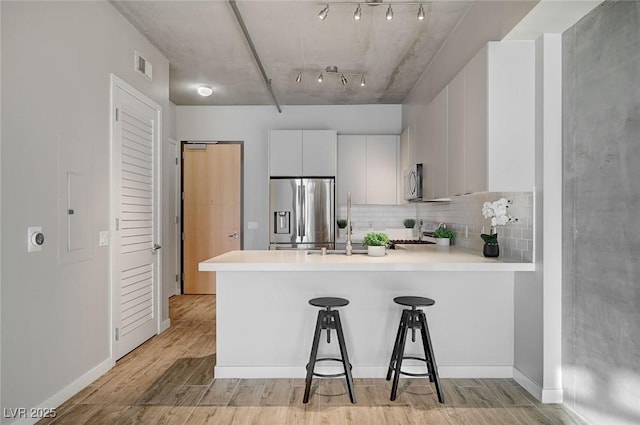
pixel 135 265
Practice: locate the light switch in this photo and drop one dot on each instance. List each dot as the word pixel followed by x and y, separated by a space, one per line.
pixel 252 225
pixel 104 238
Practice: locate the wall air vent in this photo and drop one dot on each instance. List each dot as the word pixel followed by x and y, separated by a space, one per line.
pixel 143 66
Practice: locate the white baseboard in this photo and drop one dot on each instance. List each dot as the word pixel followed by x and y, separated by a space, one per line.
pixel 69 391
pixel 165 325
pixel 545 396
pixel 359 371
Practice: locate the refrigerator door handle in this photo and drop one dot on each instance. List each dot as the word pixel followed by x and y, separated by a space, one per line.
pixel 299 209
pixel 303 213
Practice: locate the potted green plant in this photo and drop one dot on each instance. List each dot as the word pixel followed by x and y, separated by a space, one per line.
pixel 376 243
pixel 409 223
pixel 444 236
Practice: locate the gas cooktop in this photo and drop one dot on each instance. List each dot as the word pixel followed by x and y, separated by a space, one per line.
pixel 394 242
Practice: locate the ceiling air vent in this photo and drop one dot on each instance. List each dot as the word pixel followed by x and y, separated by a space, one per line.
pixel 143 66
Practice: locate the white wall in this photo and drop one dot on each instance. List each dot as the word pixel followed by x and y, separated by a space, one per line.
pixel 56 63
pixel 251 124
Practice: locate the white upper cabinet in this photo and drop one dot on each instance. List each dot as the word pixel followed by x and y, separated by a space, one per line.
pixel 352 169
pixel 302 153
pixel 511 116
pixel 382 171
pixel 368 168
pixel 475 124
pixel 456 131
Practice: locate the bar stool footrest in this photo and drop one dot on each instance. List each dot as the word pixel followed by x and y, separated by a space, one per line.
pixel 329 375
pixel 418 375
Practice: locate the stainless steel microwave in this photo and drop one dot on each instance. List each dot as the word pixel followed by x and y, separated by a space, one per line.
pixel 412 183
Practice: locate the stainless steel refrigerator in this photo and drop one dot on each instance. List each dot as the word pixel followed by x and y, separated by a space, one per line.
pixel 302 213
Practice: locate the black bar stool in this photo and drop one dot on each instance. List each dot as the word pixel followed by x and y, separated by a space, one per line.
pixel 413 319
pixel 328 319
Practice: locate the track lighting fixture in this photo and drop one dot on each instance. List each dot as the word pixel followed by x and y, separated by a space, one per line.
pixel 323 13
pixel 357 15
pixel 332 71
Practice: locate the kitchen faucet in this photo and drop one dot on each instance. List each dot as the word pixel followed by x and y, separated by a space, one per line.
pixel 348 248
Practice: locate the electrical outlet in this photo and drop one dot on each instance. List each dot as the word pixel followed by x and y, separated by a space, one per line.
pixel 252 225
pixel 104 238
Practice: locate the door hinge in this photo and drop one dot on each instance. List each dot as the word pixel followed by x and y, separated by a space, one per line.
pixel 182 235
pixel 117 224
pixel 176 161
pixel 183 196
pixel 177 219
pixel 176 278
pixel 117 114
pixel 182 276
pixel 117 334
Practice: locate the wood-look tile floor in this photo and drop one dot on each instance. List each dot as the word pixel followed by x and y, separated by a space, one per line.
pixel 169 380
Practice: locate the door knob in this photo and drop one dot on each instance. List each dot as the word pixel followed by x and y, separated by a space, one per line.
pixel 156 247
pixel 234 235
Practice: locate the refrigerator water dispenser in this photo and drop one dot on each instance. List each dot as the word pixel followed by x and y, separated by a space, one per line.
pixel 282 222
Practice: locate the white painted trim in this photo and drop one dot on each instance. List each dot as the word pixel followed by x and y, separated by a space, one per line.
pixel 546 396
pixel 70 390
pixel 249 372
pixel 165 325
pixel 528 384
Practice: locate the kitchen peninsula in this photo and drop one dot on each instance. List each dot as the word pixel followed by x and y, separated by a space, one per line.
pixel 264 324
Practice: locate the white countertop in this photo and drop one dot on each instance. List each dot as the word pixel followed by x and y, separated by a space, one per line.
pixel 415 258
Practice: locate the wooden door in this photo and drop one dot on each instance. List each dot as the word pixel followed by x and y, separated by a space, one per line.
pixel 135 260
pixel 212 209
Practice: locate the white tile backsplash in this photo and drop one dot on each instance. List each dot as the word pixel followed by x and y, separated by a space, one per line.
pixel 516 239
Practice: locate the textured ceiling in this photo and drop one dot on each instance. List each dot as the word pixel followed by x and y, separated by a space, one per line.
pixel 205 45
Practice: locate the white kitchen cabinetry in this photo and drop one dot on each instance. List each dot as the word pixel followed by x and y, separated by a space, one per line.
pixel 492 121
pixel 455 137
pixel 302 153
pixel 352 169
pixel 368 168
pixel 431 148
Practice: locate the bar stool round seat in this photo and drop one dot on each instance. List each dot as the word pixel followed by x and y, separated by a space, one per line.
pixel 413 319
pixel 328 320
pixel 328 302
pixel 414 301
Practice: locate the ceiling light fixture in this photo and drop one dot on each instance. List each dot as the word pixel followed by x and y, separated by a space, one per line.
pixel 323 13
pixel 205 91
pixel 357 15
pixel 332 71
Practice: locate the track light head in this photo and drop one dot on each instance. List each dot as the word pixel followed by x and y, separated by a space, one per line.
pixel 363 82
pixel 320 77
pixel 299 77
pixel 357 15
pixel 323 13
pixel 389 14
pixel 343 80
pixel 421 13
